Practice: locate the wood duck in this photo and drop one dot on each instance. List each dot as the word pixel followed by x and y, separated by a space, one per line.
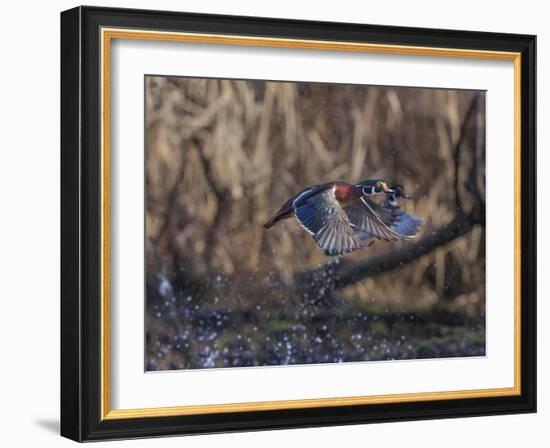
pixel 340 216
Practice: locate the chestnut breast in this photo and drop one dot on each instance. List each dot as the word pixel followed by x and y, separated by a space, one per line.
pixel 347 193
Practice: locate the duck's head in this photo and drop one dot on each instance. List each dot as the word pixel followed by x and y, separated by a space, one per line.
pixel 374 186
pixel 399 192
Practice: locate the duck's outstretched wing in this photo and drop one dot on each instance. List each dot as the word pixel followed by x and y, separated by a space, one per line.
pixel 324 219
pixel 404 223
pixel 382 221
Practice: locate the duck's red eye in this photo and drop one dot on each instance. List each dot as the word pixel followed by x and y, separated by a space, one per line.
pixel 378 184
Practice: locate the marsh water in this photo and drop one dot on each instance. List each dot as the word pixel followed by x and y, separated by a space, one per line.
pixel 189 333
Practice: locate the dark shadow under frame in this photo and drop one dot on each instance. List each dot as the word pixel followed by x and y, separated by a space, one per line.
pixel 81 224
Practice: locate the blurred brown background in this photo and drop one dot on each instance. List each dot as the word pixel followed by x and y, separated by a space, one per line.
pixel 223 155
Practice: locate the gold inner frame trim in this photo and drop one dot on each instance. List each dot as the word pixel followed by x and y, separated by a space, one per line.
pixel 107 35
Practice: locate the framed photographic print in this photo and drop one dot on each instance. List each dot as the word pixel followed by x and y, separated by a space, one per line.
pixel 273 224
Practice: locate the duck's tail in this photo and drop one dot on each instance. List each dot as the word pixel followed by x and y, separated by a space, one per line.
pixel 272 221
pixel 284 213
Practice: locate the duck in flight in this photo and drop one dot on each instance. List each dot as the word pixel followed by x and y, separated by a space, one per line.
pixel 341 217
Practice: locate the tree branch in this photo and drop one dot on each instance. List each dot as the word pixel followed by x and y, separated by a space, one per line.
pixel 342 273
pixel 458 146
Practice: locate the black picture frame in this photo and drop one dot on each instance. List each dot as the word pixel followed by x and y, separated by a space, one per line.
pixel 81 224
